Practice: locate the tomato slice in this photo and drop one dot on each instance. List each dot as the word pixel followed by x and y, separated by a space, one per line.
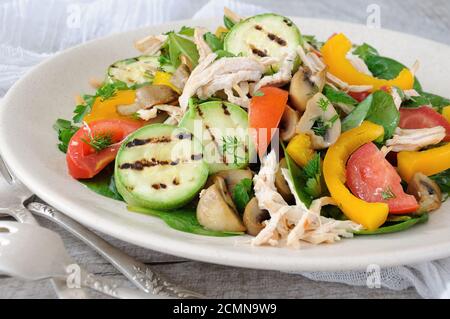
pixel 371 178
pixel 423 117
pixel 266 110
pixel 359 96
pixel 83 161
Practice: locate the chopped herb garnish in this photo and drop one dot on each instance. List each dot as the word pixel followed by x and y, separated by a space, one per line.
pixel 98 141
pixel 321 127
pixel 312 174
pixel 258 93
pixel 228 23
pixel 323 104
pixel 387 194
pixel 65 131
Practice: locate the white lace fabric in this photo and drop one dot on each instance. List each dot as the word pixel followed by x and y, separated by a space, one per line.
pixel 31 31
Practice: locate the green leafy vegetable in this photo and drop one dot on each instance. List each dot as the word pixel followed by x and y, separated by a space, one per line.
pixel 65 131
pixel 334 212
pixel 396 227
pixel 104 183
pixel 187 31
pixel 382 67
pixel 228 23
pixel 443 180
pixel 178 46
pixel 106 91
pixel 436 101
pixel 320 127
pixel 312 174
pixel 298 178
pixel 224 54
pixel 242 194
pixel 184 220
pixel 312 41
pixel 378 108
pixel 213 42
pixel 338 97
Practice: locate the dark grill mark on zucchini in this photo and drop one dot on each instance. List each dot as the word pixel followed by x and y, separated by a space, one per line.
pixel 140 165
pixel 152 140
pixel 200 112
pixel 225 110
pixel 258 27
pixel 185 136
pixel 277 39
pixel 196 157
pixel 288 23
pixel 175 181
pixel 214 140
pixel 258 52
pixel 174 163
pixel 159 186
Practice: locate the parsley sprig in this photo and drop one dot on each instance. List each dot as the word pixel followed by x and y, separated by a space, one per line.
pixel 231 146
pixel 65 131
pixel 321 127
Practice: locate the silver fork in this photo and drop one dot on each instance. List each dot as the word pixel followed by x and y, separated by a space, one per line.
pixel 138 273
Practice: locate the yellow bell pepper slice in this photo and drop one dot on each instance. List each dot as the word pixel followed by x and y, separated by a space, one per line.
pixel 107 109
pixel 220 31
pixel 429 162
pixel 334 53
pixel 300 149
pixel 163 78
pixel 446 113
pixel 370 215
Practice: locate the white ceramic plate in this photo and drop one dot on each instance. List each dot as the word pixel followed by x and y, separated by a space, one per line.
pixel 28 144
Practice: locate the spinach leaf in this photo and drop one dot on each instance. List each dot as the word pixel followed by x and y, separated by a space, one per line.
pixel 443 180
pixel 358 115
pixel 228 23
pixel 213 42
pixel 104 183
pixel 334 212
pixel 242 193
pixel 378 108
pixel 338 97
pixel 65 131
pixel 184 220
pixel 178 46
pixel 224 54
pixel 396 227
pixel 382 67
pixel 187 31
pixel 436 101
pixel 299 179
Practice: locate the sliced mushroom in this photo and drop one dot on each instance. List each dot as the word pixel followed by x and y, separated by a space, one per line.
pixel 180 77
pixel 303 87
pixel 320 110
pixel 233 177
pixel 254 217
pixel 281 184
pixel 148 96
pixel 426 191
pixel 288 124
pixel 216 211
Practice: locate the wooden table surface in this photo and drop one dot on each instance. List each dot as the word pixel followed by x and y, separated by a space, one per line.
pixel 428 19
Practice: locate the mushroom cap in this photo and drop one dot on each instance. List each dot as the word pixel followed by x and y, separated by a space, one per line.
pixel 216 211
pixel 426 191
pixel 254 216
pixel 232 177
pixel 319 107
pixel 281 184
pixel 303 86
pixel 288 123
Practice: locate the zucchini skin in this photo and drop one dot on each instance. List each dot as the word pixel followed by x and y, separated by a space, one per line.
pixel 133 71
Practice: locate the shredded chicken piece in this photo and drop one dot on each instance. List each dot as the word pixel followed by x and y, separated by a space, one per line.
pixel 415 139
pixel 151 45
pixel 180 77
pixel 386 150
pixel 147 114
pixel 283 76
pixel 344 86
pixel 293 224
pixel 359 64
pixel 415 68
pixel 203 48
pixel 175 113
pixel 410 93
pixel 233 16
pixel 211 76
pixel 397 98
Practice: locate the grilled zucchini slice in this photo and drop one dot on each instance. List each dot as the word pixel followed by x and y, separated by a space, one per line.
pixel 264 35
pixel 134 71
pixel 222 128
pixel 160 167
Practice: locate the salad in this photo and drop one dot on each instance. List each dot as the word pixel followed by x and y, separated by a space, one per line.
pixel 257 129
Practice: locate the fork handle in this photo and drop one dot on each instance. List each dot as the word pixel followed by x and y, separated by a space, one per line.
pixel 138 273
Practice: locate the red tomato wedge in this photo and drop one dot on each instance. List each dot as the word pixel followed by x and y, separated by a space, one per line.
pixel 83 161
pixel 423 117
pixel 266 110
pixel 371 178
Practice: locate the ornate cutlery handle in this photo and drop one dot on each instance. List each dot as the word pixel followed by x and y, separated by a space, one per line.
pixel 138 273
